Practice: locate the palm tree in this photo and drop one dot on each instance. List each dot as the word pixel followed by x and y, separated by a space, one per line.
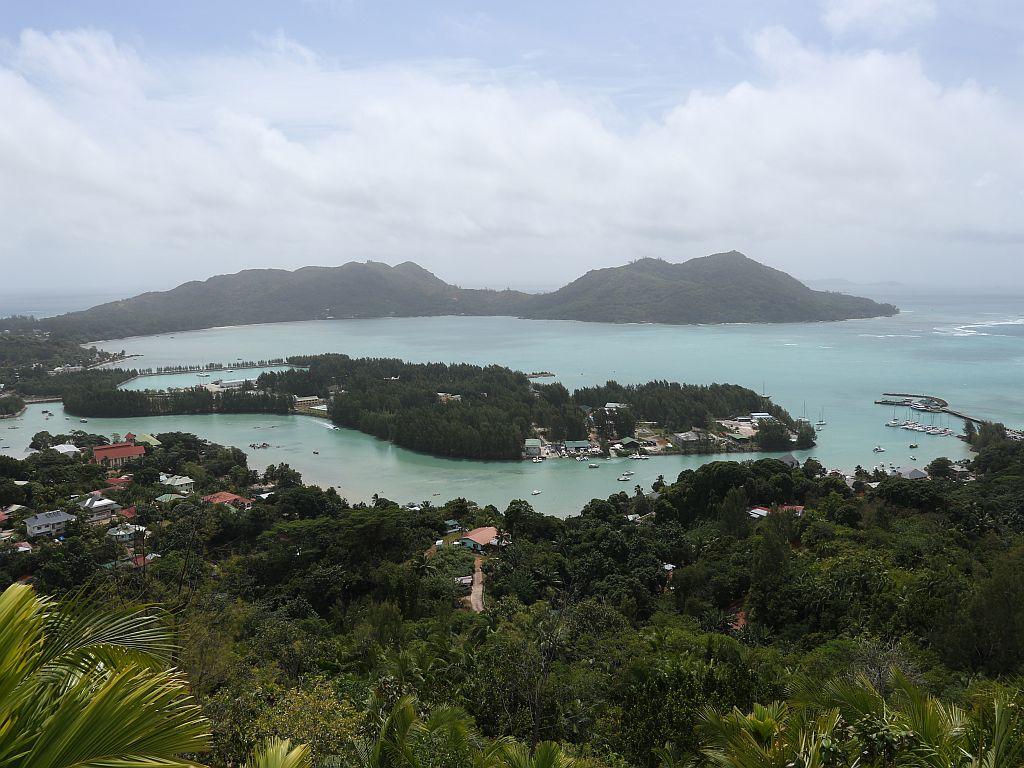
pixel 548 754
pixel 279 753
pixel 84 688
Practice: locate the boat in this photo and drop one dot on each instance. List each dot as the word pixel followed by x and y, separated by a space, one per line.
pixel 203 375
pixel 821 419
pixel 537 459
pixel 535 492
pixel 84 421
pixel 894 423
pixel 316 453
pixel 913 458
pixel 629 473
pixel 879 449
pixel 623 478
pixel 914 445
pixel 593 466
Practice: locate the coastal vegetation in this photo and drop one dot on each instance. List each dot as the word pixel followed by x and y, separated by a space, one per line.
pixel 10 404
pixel 878 626
pixel 721 288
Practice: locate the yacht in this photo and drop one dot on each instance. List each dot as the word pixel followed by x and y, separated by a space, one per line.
pixel 203 375
pixel 84 421
pixel 629 473
pixel 535 492
pixel 913 458
pixel 821 419
pixel 914 445
pixel 894 423
pixel 593 466
pixel 623 478
pixel 537 459
pixel 879 449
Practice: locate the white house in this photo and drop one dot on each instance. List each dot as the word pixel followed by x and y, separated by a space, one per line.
pixel 126 533
pixel 67 449
pixel 180 483
pixel 47 523
pixel 99 508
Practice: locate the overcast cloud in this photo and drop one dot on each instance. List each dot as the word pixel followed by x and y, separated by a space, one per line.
pixel 845 155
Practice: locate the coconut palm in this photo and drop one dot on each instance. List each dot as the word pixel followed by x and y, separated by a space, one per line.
pixel 88 688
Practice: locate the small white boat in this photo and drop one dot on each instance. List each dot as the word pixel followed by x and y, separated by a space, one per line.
pixel 879 449
pixel 535 492
pixel 84 421
pixel 203 375
pixel 894 423
pixel 913 458
pixel 537 459
pixel 623 478
pixel 593 466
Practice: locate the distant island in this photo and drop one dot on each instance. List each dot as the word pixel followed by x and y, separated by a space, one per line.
pixel 721 288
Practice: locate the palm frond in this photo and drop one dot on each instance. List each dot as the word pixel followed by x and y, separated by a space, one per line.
pixel 279 753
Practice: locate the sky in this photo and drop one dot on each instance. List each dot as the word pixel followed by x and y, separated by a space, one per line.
pixel 509 144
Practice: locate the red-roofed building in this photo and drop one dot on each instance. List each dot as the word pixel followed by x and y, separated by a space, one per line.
pixel 141 561
pixel 223 497
pixel 479 538
pixel 128 513
pixel 116 454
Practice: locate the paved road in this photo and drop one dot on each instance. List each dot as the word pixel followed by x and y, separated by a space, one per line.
pixel 476 594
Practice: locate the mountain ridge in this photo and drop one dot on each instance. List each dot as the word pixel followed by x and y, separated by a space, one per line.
pixel 719 288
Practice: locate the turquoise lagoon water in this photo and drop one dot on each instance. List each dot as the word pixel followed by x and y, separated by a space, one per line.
pixel 969 350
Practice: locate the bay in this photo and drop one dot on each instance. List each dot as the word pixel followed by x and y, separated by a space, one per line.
pixel 968 350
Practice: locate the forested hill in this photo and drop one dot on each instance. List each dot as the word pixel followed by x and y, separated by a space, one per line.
pixel 722 288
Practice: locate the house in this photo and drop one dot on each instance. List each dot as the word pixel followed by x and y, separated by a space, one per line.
pixel 8 512
pixel 479 538
pixel 464 581
pixel 47 523
pixel 759 512
pixel 682 439
pixel 232 499
pixel 141 561
pixel 66 369
pixel 67 449
pixel 23 547
pixel 913 473
pixel 144 439
pixel 452 526
pixel 117 454
pixel 761 416
pixel 577 446
pixel 169 498
pixel 126 533
pixel 446 397
pixel 790 461
pixel 99 508
pixel 531 447
pixel 308 401
pixel 629 443
pixel 615 406
pixel 179 483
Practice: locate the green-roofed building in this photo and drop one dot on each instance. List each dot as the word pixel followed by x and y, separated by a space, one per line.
pixel 169 498
pixel 147 440
pixel 531 446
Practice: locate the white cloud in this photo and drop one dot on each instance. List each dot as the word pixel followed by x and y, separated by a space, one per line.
pixel 882 19
pixel 120 168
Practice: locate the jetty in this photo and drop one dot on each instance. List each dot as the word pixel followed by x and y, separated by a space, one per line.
pixel 931 403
